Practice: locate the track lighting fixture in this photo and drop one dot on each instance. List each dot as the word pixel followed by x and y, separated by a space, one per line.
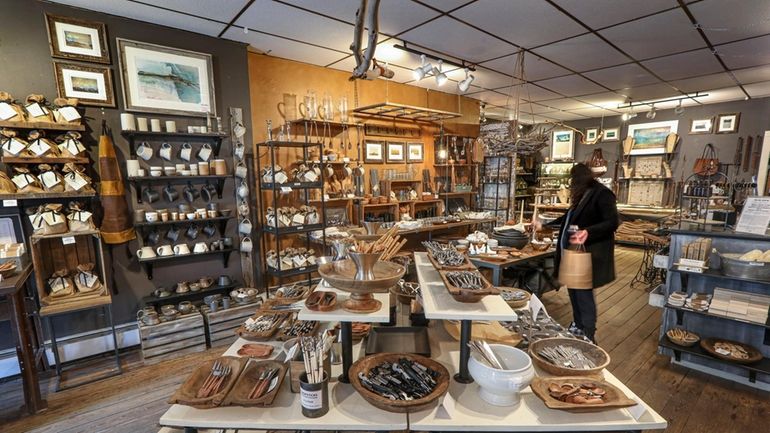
pixel 245 30
pixel 441 77
pixel 628 116
pixel 423 70
pixel 679 110
pixel 652 113
pixel 465 84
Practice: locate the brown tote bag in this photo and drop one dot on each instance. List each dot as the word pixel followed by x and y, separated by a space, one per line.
pixel 575 269
pixel 708 163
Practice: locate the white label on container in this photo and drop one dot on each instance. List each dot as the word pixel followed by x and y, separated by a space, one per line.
pixel 20 180
pixel 6 111
pixel 35 110
pixel 75 180
pixel 10 203
pixel 285 189
pixel 310 176
pixel 311 399
pixel 68 240
pixel 69 113
pixel 39 147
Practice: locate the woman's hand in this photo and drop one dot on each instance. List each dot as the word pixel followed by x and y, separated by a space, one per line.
pixel 537 225
pixel 579 237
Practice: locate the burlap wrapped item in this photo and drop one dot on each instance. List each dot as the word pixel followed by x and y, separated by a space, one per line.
pixel 39 146
pixel 60 103
pixel 70 145
pixel 20 115
pixel 79 220
pixel 6 184
pixel 39 101
pixel 116 226
pixel 48 219
pixel 60 285
pixel 50 178
pixel 76 179
pixel 25 181
pixel 13 145
pixel 85 280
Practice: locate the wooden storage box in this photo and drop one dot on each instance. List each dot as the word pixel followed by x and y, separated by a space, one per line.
pixel 184 335
pixel 221 326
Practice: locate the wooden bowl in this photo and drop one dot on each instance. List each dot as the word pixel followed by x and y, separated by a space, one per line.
pixel 468 295
pixel 708 345
pixel 514 303
pixel 680 342
pixel 592 351
pixel 259 336
pixel 186 394
pixel 322 301
pixel 342 275
pixel 399 406
pixel 614 398
pixel 239 394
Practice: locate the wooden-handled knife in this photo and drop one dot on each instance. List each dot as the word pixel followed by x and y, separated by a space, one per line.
pixel 738 154
pixel 747 155
pixel 757 155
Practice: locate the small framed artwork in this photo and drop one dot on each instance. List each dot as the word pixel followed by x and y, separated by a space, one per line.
pixel 611 134
pixel 75 39
pixel 562 145
pixel 592 134
pixel 701 126
pixel 728 123
pixel 396 153
pixel 414 152
pixel 374 152
pixel 91 85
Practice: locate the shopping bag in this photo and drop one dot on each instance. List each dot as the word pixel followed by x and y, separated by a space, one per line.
pixel 575 268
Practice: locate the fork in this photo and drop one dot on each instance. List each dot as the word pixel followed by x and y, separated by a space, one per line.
pixel 215 368
pixel 223 374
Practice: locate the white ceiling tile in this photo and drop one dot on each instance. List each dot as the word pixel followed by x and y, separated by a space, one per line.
pixel 624 76
pixel 758 90
pixel 657 35
pixel 751 52
pixel 453 38
pixel 395 16
pixel 706 82
pixel 609 100
pixel 150 14
pixel 685 65
pixel 730 20
pixel 603 13
pixel 652 91
pixel 753 75
pixel 583 53
pixel 723 95
pixel 446 5
pixel 535 67
pixel 493 98
pixel 289 22
pixel 536 108
pixel 563 104
pixel 283 48
pixel 597 112
pixel 566 115
pixel 521 22
pixel 571 85
pixel 224 11
pixel 530 92
pixel 492 80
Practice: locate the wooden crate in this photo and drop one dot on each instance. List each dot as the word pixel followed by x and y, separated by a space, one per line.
pixel 221 326
pixel 172 339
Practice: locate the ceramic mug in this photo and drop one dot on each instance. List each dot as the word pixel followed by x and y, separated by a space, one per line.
pixel 181 249
pixel 148 318
pixel 190 193
pixel 182 287
pixel 155 125
pixel 180 167
pixel 141 124
pixel 203 168
pixel 209 229
pixel 212 213
pixel 205 153
pixel 173 234
pixel 200 247
pixel 243 208
pixel 144 151
pixel 145 253
pixel 186 152
pixel 132 167
pixel 245 227
pixel 170 126
pixel 153 238
pixel 217 245
pixel 241 171
pixel 239 151
pixel 205 282
pixel 139 215
pixel 246 244
pixel 150 196
pixel 224 280
pixel 220 167
pixel 170 193
pixel 192 232
pixel 165 250
pixel 185 307
pixel 165 151
pixel 243 190
pixel 151 216
pixel 227 242
pixel 169 170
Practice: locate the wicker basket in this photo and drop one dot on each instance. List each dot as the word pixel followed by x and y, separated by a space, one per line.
pixel 592 351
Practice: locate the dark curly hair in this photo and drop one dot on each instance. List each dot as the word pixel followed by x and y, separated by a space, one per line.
pixel 581 180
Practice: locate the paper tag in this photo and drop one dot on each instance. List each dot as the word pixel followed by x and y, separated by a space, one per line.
pixel 535 305
pixel 299 261
pixel 311 399
pixel 310 176
pixel 76 181
pixel 448 403
pixel 285 220
pixel 10 203
pixel 68 240
pixel 39 147
pixel 20 180
pixel 34 109
pixel 69 113
pixel 249 321
pixel 82 216
pixel 326 197
pixel 57 285
pixel 13 146
pixel 50 179
pixel 292 351
pixel 52 218
pixel 72 146
pixel 90 279
pixel 298 219
pixel 637 410
pixel 285 189
pixel 281 177
pixel 6 111
pixel 346 159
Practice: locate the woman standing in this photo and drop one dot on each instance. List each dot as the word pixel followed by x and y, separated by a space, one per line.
pixel 591 220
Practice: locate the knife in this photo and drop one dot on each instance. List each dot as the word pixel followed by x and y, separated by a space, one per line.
pixel 747 154
pixel 757 154
pixel 738 154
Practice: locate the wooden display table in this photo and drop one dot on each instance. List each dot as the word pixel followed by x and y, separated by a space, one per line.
pixel 498 267
pixel 13 288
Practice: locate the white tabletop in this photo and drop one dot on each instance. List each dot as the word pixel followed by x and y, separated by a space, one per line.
pixel 470 413
pixel 339 315
pixel 439 304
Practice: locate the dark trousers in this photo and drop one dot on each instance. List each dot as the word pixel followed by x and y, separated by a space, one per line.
pixel 584 310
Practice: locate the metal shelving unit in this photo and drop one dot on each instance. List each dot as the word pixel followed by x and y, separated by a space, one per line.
pixel 495 186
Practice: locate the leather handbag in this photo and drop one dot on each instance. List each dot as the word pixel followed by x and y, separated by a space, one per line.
pixel 708 163
pixel 597 163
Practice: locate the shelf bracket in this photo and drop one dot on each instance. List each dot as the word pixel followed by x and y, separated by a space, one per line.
pixel 220 187
pixel 138 191
pixel 677 355
pixel 753 376
pixel 148 269
pixel 222 226
pixel 217 145
pixel 679 317
pixel 226 258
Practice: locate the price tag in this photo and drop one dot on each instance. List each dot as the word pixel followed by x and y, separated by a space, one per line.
pixel 637 410
pixel 326 197
pixel 535 305
pixel 285 189
pixel 68 240
pixel 6 111
pixel 35 110
pixel 292 352
pixel 448 404
pixel 69 113
pixel 300 227
pixel 39 147
pixel 10 203
pixel 346 159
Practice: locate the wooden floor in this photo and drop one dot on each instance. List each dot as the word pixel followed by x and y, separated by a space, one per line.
pixel 627 329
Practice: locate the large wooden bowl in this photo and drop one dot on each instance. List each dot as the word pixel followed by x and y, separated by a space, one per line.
pixel 363 365
pixel 342 275
pixel 708 345
pixel 592 351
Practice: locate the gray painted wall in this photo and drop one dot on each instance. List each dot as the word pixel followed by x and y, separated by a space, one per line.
pixel 27 67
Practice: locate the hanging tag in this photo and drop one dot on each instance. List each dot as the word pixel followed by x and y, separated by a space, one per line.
pixel 39 147
pixel 448 404
pixel 292 352
pixel 34 109
pixel 90 279
pixel 298 219
pixel 75 181
pixel 638 410
pixel 6 111
pixel 68 240
pixel 535 305
pixel 310 176
pixel 10 203
pixel 281 177
pixel 50 179
pixel 69 113
pixel 285 189
pixel 20 180
pixel 83 216
pixel 13 146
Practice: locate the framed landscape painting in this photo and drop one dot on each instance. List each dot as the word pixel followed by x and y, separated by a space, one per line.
pixel 562 145
pixel 158 79
pixel 91 85
pixel 650 138
pixel 71 38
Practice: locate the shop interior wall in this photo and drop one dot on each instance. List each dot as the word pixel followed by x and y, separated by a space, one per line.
pixel 754 120
pixel 27 67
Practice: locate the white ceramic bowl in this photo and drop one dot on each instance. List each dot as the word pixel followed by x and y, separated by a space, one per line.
pixel 502 387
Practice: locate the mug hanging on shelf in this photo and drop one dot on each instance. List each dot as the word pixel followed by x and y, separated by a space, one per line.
pixel 186 152
pixel 243 208
pixel 193 231
pixel 165 151
pixel 239 151
pixel 150 195
pixel 247 245
pixel 144 151
pixel 205 153
pixel 208 192
pixel 209 229
pixel 190 193
pixel 245 226
pixel 241 171
pixel 153 238
pixel 243 190
pixel 173 233
pixel 170 193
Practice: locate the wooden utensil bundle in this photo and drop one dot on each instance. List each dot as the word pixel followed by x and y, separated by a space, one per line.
pixel 389 244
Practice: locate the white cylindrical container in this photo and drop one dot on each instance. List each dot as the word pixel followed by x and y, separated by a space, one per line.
pixel 141 124
pixel 155 125
pixel 127 122
pixel 132 167
pixel 170 126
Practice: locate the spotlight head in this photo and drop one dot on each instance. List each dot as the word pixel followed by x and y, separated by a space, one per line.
pixel 624 117
pixel 652 113
pixel 441 77
pixel 465 84
pixel 423 70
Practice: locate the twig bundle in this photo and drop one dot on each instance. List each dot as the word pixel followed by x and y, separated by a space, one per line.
pixel 389 245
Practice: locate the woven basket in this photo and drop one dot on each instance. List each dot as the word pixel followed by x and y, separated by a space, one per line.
pixel 592 351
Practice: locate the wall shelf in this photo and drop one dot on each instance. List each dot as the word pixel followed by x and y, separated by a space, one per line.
pixel 48 126
pixel 149 263
pixel 146 180
pixel 292 272
pixel 47 195
pixel 405 112
pixel 762 366
pixel 175 298
pixel 44 160
pixel 132 136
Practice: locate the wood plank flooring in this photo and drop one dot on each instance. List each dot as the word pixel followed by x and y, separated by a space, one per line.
pixel 627 329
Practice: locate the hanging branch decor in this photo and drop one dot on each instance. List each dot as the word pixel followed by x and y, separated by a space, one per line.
pixel 370 21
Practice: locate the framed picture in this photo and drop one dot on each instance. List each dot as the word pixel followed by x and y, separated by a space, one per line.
pixel 414 152
pixel 92 85
pixel 158 79
pixel 562 145
pixel 75 39
pixel 591 135
pixel 396 152
pixel 374 152
pixel 701 126
pixel 611 134
pixel 650 138
pixel 728 123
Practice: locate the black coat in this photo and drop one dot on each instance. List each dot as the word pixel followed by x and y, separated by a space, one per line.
pixel 598 214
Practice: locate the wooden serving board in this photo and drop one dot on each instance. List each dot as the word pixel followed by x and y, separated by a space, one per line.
pixel 238 395
pixel 614 397
pixel 708 345
pixel 465 295
pixel 466 266
pixel 186 394
pixel 259 336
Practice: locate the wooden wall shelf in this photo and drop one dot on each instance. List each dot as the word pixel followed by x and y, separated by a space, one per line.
pixel 48 126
